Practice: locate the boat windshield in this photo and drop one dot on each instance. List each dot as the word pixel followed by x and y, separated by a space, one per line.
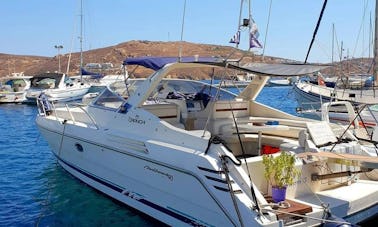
pixel 174 89
pixel 12 85
pixel 116 94
pixel 44 83
pixel 109 100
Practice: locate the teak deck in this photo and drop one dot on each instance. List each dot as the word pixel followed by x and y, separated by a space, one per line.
pixel 295 208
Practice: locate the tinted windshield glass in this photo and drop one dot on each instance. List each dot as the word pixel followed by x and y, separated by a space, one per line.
pixel 109 100
pixel 180 87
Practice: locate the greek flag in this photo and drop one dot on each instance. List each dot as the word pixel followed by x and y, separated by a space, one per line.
pixel 236 38
pixel 253 36
pixel 253 42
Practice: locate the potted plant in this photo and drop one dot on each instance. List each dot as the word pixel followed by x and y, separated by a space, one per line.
pixel 280 171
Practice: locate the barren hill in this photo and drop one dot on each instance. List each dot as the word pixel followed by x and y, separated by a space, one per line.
pixel 32 65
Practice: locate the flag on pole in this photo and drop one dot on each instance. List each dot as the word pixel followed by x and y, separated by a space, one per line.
pixel 236 38
pixel 253 36
pixel 253 42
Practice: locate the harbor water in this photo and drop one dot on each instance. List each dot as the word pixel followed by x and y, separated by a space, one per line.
pixel 36 191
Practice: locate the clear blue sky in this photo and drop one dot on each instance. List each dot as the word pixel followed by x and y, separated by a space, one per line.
pixel 33 27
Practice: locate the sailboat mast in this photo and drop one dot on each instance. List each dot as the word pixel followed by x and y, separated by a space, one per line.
pixel 182 31
pixel 250 20
pixel 240 18
pixel 81 38
pixel 375 67
pixel 333 41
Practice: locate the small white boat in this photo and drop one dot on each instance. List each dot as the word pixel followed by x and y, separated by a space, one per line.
pixel 311 95
pixel 273 82
pixel 188 153
pixel 239 81
pixel 57 87
pixel 13 88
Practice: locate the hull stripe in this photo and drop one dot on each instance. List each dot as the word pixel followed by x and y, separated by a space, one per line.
pixel 130 195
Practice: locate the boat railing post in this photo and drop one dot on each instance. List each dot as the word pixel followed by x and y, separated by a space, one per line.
pixel 89 116
pixel 40 110
pixel 69 112
pixel 259 143
pixel 54 110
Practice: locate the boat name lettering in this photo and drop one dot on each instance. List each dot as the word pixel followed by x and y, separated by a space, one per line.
pixel 170 177
pixel 136 120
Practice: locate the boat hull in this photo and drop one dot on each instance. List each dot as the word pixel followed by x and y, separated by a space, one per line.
pixel 310 95
pixel 12 97
pixel 57 95
pixel 171 195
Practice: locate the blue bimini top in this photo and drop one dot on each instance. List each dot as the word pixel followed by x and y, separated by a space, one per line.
pixel 156 63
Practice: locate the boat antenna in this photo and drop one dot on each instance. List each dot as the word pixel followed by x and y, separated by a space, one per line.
pixel 70 55
pixel 370 35
pixel 81 39
pixel 316 30
pixel 239 22
pixel 266 30
pixel 182 31
pixel 375 67
pixel 333 41
pixel 250 21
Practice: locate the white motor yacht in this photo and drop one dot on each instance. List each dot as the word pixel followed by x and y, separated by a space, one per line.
pixel 188 153
pixel 57 87
pixel 13 88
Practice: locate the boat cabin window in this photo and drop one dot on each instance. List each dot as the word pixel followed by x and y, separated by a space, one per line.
pixel 109 100
pixel 190 90
pixel 12 85
pixel 68 81
pixel 174 89
pixel 120 88
pixel 43 82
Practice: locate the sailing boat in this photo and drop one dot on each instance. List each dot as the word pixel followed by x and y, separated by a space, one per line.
pixel 311 95
pixel 65 88
pixel 355 106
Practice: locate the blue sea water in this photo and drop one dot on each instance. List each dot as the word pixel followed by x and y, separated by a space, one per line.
pixel 36 191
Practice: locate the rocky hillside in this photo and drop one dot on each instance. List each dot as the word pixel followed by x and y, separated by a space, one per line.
pixel 32 65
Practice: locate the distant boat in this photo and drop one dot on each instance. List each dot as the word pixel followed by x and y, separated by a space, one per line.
pixel 311 94
pixel 238 81
pixel 279 82
pixel 57 87
pixel 13 88
pixel 360 89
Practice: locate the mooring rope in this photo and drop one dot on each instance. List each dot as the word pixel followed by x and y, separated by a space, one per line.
pixel 305 216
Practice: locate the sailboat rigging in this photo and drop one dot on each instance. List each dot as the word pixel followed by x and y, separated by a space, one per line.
pixel 59 87
pixel 81 39
pixel 317 99
pixel 249 23
pixel 313 93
